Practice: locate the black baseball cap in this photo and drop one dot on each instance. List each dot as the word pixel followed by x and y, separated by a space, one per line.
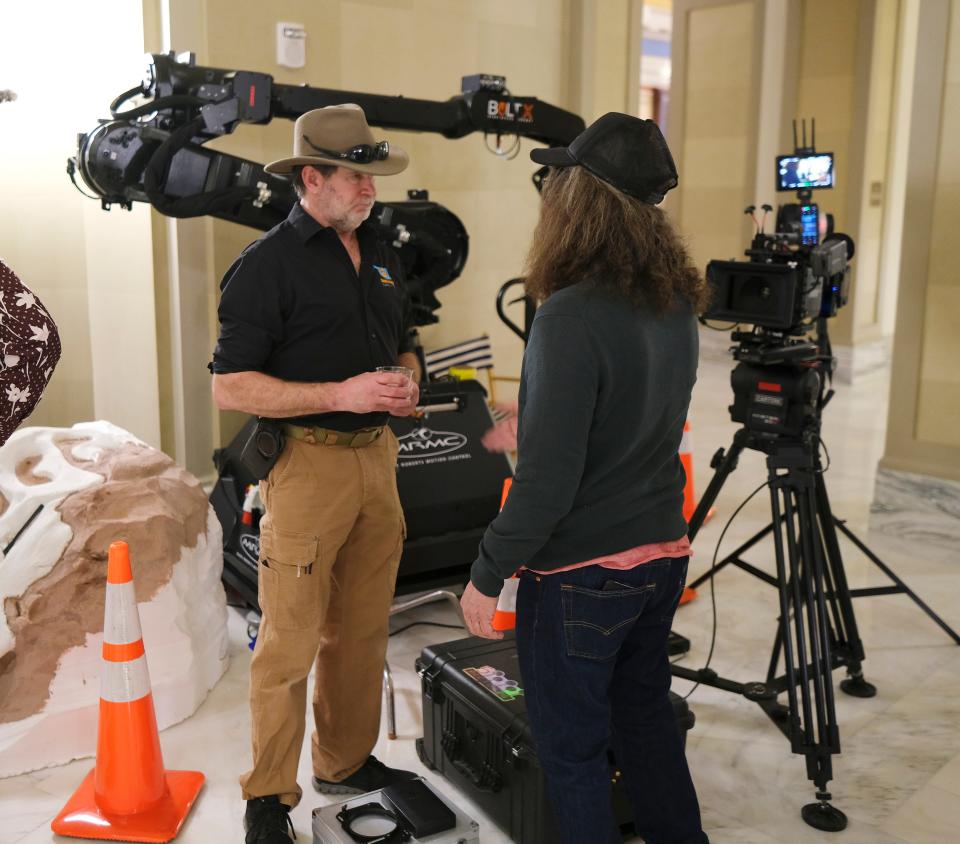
pixel 626 152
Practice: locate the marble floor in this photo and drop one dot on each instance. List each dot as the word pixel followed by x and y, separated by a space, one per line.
pixel 897 779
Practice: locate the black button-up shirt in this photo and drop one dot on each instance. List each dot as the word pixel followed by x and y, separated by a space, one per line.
pixel 292 306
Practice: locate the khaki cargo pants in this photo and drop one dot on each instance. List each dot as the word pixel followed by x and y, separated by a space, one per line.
pixel 330 541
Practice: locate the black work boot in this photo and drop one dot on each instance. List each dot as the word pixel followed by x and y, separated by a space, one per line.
pixel 372 775
pixel 267 821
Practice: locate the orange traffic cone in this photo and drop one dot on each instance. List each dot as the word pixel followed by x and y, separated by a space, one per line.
pixel 686 458
pixel 127 796
pixel 689 497
pixel 505 617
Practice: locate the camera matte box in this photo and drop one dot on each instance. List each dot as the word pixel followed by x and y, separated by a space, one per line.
pixel 476 733
pixel 328 830
pixel 754 292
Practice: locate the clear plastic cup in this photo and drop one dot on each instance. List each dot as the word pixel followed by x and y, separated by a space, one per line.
pixel 397 370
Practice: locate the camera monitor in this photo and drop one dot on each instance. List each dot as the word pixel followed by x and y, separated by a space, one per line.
pixel 805 172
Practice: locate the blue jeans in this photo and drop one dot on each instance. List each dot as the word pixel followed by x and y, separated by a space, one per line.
pixel 592 644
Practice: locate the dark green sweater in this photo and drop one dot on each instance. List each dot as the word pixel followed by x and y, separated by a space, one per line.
pixel 604 393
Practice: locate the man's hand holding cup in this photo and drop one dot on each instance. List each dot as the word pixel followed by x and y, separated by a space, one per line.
pixel 400 378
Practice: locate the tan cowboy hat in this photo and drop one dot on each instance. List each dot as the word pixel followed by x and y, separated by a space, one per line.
pixel 339 135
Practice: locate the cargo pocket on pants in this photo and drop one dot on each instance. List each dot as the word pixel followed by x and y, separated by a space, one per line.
pixel 289 587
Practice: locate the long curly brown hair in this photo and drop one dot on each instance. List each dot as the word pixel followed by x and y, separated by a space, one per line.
pixel 588 230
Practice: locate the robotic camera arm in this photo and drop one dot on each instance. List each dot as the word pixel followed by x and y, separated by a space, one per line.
pixel 154 152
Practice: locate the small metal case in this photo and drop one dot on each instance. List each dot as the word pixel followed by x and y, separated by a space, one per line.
pixel 328 830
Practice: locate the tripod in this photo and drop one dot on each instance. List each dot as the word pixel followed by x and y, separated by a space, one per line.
pixel 817 628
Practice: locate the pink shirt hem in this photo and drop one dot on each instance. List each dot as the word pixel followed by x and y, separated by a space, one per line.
pixel 632 557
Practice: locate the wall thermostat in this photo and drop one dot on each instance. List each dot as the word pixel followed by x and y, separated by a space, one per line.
pixel 291 44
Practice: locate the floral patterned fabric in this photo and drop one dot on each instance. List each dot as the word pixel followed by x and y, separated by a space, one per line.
pixel 29 350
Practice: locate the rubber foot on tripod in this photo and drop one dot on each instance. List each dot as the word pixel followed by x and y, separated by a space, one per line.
pixel 824 817
pixel 858 687
pixel 758 691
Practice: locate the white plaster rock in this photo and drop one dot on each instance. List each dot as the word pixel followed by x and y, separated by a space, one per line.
pixel 98 483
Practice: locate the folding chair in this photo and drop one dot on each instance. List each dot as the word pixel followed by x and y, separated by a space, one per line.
pixel 473 354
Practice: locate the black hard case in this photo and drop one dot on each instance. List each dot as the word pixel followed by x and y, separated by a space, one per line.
pixel 484 745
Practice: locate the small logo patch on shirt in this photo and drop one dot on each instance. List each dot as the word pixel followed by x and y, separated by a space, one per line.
pixel 385 278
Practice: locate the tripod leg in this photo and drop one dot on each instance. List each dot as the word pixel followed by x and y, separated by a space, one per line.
pixel 849 646
pixel 786 717
pixel 821 814
pixel 803 586
pixel 793 583
pixel 901 586
pixel 727 463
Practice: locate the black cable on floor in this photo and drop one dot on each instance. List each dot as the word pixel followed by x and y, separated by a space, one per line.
pixel 713 595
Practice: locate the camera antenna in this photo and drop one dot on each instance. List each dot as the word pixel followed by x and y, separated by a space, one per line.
pixel 749 212
pixel 813 134
pixel 766 210
pixel 796 148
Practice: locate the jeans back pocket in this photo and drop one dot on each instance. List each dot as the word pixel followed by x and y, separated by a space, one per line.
pixel 596 621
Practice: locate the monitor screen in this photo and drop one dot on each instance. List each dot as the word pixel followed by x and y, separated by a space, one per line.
pixel 805 172
pixel 809 224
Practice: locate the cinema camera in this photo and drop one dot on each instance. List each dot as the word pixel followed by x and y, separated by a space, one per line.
pixel 793 281
pixel 791 284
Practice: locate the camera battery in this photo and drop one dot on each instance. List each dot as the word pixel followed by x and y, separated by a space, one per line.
pixel 327 829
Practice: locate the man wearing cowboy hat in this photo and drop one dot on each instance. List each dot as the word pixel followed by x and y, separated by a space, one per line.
pixel 307 315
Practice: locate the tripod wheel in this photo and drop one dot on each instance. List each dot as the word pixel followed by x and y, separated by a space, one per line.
pixel 824 817
pixel 858 687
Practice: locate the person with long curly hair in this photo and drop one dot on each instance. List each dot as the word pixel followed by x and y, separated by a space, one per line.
pixel 594 519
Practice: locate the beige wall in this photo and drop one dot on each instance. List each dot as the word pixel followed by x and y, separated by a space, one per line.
pixel 828 88
pixel 91 269
pixel 875 213
pixel 604 38
pixel 713 122
pixel 923 434
pixel 846 80
pixel 938 411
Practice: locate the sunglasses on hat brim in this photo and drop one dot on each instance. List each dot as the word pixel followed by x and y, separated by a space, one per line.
pixel 539 177
pixel 360 154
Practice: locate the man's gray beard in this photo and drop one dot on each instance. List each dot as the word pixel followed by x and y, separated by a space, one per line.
pixel 346 224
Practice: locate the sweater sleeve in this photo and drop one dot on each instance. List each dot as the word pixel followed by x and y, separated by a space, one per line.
pixel 559 387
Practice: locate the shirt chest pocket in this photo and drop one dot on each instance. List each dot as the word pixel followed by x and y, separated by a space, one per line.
pixel 385 297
